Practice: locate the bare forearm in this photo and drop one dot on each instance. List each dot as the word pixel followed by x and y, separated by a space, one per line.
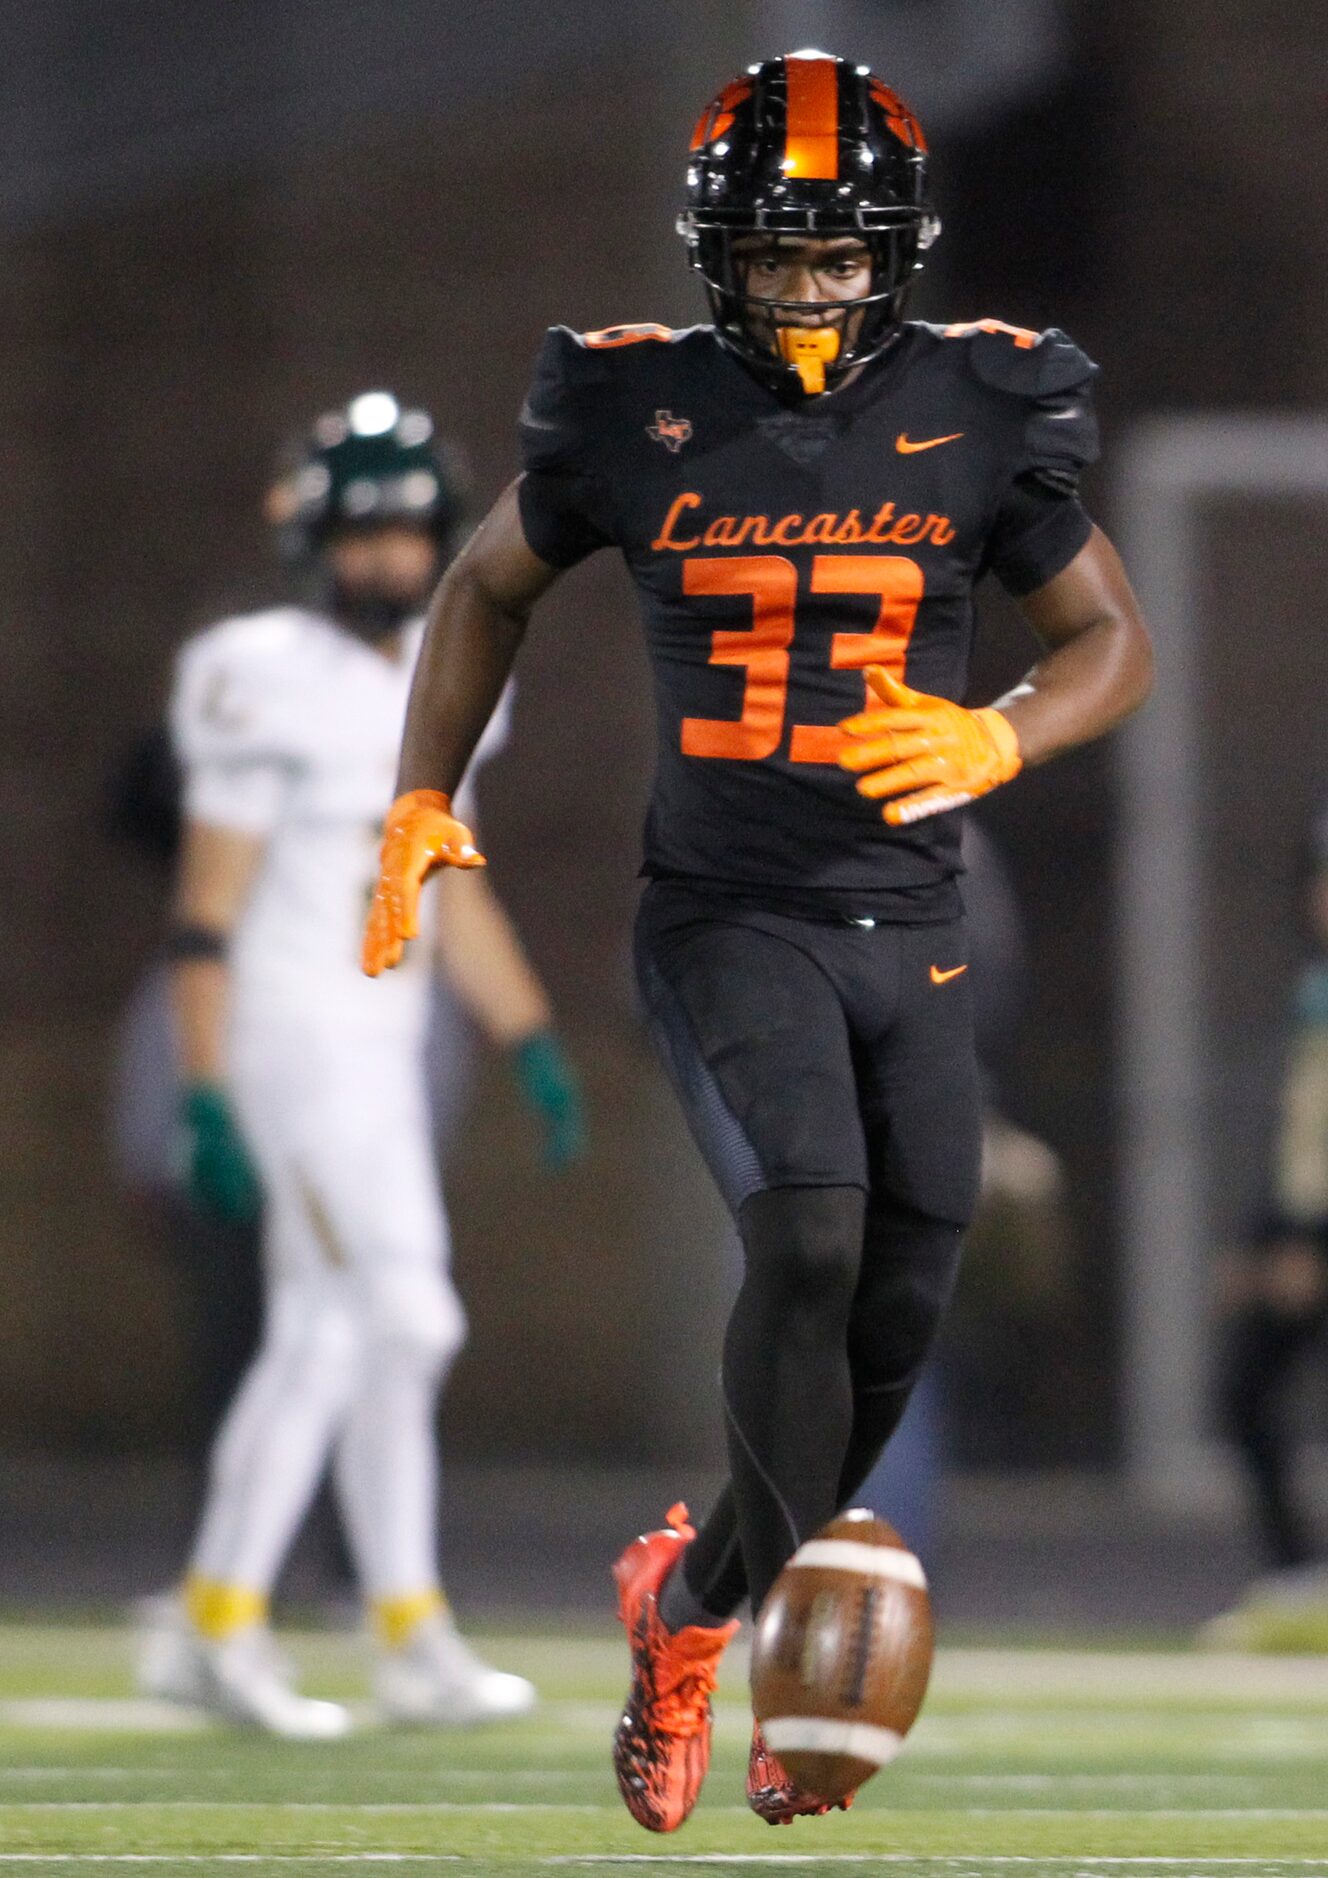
pixel 216 870
pixel 200 995
pixel 476 624
pixel 1099 666
pixel 1080 690
pixel 467 655
pixel 485 962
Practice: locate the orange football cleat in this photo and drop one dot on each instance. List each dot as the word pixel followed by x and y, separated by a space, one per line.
pixel 661 1749
pixel 419 834
pixel 773 1796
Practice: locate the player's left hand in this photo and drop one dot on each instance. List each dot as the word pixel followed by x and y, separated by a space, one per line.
pixel 927 753
pixel 420 833
pixel 552 1089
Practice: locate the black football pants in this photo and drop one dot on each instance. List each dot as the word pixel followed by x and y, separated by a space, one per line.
pixel 1260 1349
pixel 828 1074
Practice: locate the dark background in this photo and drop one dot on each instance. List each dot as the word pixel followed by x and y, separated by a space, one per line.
pixel 215 221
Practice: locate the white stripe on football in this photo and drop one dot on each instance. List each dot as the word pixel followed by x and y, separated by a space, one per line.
pixel 876 1561
pixel 819 1734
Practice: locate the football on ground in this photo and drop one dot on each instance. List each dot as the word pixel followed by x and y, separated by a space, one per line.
pixel 842 1653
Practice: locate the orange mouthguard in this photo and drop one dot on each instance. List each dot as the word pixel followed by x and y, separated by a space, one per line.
pixel 809 349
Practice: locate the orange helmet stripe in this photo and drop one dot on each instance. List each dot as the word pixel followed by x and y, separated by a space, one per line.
pixel 899 117
pixel 718 114
pixel 812 142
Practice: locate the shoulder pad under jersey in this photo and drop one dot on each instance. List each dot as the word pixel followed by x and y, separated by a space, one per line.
pixel 1014 359
pixel 573 371
pixel 1055 378
pixel 233 684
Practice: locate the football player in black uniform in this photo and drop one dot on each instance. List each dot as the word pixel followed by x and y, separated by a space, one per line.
pixel 806 491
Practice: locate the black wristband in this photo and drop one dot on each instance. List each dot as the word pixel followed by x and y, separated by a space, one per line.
pixel 196 942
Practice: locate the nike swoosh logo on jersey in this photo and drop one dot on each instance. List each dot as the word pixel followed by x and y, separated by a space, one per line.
pixel 938 977
pixel 907 448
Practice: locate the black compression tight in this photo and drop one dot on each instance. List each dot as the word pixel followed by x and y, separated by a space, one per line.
pixel 837 1310
pixel 1260 1350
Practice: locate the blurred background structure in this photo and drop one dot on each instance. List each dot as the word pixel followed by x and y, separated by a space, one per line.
pixel 217 221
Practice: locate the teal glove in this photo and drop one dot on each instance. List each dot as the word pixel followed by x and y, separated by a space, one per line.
pixel 218 1174
pixel 550 1086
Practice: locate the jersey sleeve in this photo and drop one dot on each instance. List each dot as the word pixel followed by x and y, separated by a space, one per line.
pixel 226 734
pixel 1036 534
pixel 1039 525
pixel 560 494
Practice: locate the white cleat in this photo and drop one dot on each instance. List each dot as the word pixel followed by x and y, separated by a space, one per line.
pixel 242 1679
pixel 167 1663
pixel 436 1680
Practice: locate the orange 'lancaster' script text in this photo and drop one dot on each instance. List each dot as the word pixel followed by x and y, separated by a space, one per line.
pixel 796 531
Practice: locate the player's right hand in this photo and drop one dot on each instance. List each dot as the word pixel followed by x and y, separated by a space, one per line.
pixel 929 754
pixel 219 1177
pixel 420 833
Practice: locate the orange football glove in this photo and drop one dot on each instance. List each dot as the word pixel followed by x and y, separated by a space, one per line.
pixel 927 753
pixel 420 833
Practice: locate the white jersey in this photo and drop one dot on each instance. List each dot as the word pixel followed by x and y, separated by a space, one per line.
pixel 288 727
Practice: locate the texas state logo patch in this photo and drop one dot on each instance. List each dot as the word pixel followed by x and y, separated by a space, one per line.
pixel 673 432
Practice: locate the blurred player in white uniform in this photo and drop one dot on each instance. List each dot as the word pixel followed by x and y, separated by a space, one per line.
pixel 287 724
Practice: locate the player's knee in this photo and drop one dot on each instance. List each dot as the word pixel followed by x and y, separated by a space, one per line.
pixel 912 1264
pixel 898 1338
pixel 322 1356
pixel 309 1362
pixel 804 1245
pixel 416 1316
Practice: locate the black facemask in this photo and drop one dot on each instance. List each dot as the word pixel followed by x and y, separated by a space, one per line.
pixel 370 616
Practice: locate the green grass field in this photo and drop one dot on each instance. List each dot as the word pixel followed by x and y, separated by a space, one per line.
pixel 1146 1765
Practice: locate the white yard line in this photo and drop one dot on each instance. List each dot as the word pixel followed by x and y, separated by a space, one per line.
pixel 1304 1689
pixel 130 1715
pixel 230 1776
pixel 1096 1675
pixel 1040 1783
pixel 944 1860
pixel 409 1807
pixel 83 1773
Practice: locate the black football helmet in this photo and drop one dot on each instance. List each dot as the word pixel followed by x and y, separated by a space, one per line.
pixel 369 463
pixel 807 145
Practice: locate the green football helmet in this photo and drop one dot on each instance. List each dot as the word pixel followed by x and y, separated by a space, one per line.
pixel 368 464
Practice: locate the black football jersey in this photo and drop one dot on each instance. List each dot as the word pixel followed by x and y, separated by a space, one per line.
pixel 777 549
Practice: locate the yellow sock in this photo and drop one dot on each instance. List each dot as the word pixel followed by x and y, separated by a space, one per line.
pixel 395 1618
pixel 218 1610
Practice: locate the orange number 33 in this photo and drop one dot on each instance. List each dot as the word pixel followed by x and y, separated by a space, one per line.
pixel 771 583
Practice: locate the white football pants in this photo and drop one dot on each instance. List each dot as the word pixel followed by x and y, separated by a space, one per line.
pixel 361 1322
